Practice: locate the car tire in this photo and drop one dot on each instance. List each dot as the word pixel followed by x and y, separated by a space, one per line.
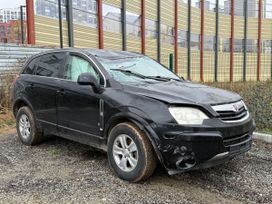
pixel 26 126
pixel 130 154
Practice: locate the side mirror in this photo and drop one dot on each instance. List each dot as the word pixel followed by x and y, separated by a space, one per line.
pixel 89 79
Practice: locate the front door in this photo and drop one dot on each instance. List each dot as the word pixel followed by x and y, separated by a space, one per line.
pixel 78 105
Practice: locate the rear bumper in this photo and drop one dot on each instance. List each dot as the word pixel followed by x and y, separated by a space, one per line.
pixel 189 148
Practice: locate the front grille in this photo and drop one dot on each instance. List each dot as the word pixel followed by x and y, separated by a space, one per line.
pixel 236 139
pixel 232 112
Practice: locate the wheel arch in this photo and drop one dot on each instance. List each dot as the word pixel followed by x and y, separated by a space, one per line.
pixel 20 102
pixel 139 122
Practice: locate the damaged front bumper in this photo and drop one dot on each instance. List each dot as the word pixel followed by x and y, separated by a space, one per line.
pixel 189 148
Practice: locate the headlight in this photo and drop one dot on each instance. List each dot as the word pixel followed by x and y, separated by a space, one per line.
pixel 188 116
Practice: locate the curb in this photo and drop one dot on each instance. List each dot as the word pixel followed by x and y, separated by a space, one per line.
pixel 261 136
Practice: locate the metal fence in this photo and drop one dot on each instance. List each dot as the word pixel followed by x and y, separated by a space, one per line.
pixel 210 40
pixel 12 57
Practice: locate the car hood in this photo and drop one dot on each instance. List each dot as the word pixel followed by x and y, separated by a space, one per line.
pixel 175 92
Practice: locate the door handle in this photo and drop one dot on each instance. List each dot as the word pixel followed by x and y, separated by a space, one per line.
pixel 31 86
pixel 61 92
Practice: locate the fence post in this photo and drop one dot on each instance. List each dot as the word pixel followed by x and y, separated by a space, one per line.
pixel 232 40
pixel 100 24
pixel 171 59
pixel 271 60
pixel 30 22
pixel 189 41
pixel 202 41
pixel 259 40
pixel 159 30
pixel 69 8
pixel 143 25
pixel 60 24
pixel 124 25
pixel 22 24
pixel 176 37
pixel 245 39
pixel 216 41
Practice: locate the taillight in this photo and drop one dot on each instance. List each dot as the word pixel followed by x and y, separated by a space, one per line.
pixel 15 79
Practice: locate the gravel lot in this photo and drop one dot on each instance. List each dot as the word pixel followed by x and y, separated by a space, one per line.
pixel 60 171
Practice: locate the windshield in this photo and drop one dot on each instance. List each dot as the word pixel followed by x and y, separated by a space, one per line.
pixel 136 69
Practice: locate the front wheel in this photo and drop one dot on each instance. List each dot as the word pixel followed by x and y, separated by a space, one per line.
pixel 130 153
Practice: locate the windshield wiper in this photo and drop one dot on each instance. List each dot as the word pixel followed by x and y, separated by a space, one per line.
pixel 130 72
pixel 163 78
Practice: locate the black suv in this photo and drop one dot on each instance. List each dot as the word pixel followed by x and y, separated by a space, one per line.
pixel 132 107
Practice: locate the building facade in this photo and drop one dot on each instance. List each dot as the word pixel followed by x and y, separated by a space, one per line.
pixel 10 32
pixel 10 14
pixel 211 40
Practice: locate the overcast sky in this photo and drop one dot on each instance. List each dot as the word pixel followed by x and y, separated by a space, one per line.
pixel 11 3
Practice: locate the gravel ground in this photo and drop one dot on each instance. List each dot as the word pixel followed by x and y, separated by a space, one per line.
pixel 60 171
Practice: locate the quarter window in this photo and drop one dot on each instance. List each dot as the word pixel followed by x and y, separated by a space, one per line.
pixel 76 66
pixel 30 67
pixel 50 65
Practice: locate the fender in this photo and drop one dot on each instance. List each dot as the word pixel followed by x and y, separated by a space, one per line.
pixel 22 98
pixel 141 123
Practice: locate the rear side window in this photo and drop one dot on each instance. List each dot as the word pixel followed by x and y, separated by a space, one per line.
pixel 30 68
pixel 50 64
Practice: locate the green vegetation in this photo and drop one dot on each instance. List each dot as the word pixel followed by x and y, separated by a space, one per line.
pixel 53 151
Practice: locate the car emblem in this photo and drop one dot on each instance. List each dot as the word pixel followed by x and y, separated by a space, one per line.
pixel 235 108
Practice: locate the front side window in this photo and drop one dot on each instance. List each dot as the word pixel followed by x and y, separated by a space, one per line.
pixel 50 64
pixel 76 66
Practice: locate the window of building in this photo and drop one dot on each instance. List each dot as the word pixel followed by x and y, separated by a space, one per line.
pixel 267 13
pixel 49 8
pixel 226 45
pixel 85 12
pixel 133 24
pixel 167 34
pixel 182 38
pixel 238 45
pixel 195 41
pixel 266 46
pixel 209 43
pixel 112 18
pixel 252 45
pixel 150 29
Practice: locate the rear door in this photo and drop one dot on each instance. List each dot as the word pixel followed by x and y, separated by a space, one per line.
pixel 78 105
pixel 43 86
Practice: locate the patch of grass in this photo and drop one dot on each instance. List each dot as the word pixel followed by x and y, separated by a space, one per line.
pixel 5 93
pixel 267 131
pixel 7 121
pixel 53 151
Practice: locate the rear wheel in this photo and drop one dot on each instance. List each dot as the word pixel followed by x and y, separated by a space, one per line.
pixel 130 153
pixel 27 127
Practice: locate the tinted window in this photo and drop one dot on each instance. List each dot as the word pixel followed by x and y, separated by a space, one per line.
pixel 76 66
pixel 50 64
pixel 30 67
